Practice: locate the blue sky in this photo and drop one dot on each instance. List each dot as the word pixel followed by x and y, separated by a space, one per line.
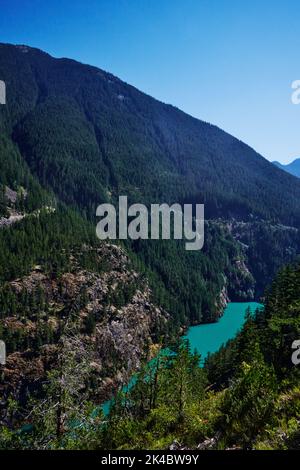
pixel 229 62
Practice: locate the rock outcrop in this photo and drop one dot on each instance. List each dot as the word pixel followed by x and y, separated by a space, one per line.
pixel 110 311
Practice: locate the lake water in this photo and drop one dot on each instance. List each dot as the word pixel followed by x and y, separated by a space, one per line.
pixel 208 338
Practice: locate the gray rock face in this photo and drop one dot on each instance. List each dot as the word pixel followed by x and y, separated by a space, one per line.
pixel 123 334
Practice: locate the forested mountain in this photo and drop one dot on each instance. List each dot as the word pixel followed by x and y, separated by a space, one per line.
pixel 89 137
pixel 86 137
pixel 73 136
pixel 293 168
pixel 247 395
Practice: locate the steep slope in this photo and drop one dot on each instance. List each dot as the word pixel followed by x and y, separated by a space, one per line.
pixel 247 396
pixel 85 134
pixel 87 137
pixel 194 286
pixel 293 168
pixel 109 314
pixel 73 136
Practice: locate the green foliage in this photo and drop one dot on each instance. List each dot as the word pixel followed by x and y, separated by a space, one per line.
pixel 188 283
pixel 87 137
pixel 247 395
pixel 45 238
pixel 73 136
pixel 253 400
pixel 248 403
pixel 84 132
pixel 15 174
pixel 158 407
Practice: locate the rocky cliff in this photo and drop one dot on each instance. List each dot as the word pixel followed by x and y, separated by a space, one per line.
pixel 110 313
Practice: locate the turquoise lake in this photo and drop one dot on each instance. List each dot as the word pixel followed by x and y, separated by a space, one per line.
pixel 208 338
pixel 205 338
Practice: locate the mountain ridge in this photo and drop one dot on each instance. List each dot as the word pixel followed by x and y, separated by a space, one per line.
pixel 73 136
pixel 181 152
pixel 87 137
pixel 293 168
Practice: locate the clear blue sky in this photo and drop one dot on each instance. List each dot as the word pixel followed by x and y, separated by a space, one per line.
pixel 229 62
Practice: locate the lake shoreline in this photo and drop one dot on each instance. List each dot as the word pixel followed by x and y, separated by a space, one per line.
pixel 207 338
pixel 230 311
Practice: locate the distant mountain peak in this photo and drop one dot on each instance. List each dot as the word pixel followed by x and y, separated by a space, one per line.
pixel 293 168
